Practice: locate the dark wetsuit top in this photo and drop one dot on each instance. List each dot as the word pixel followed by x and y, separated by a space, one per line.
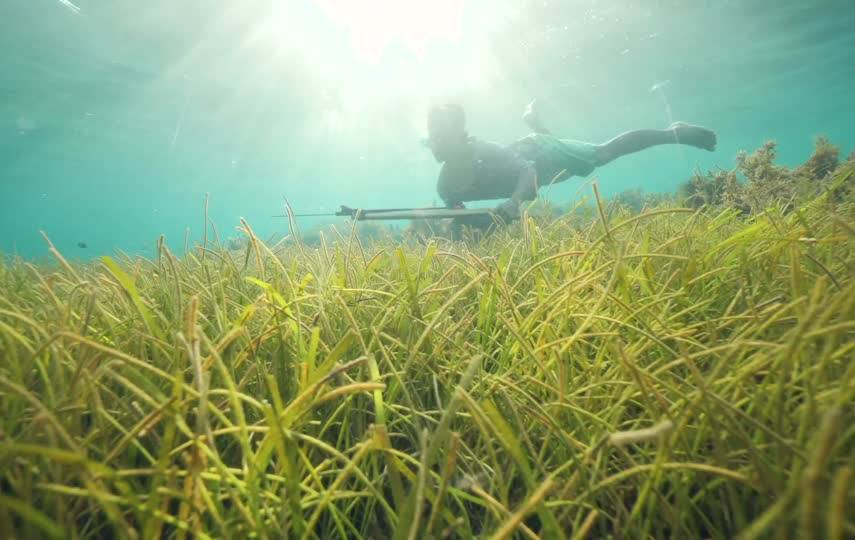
pixel 491 171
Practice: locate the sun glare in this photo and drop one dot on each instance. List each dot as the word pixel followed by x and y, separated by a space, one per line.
pixel 412 24
pixel 382 47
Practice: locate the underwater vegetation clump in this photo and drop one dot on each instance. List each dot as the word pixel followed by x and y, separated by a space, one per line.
pixel 680 373
pixel 763 183
pixel 637 200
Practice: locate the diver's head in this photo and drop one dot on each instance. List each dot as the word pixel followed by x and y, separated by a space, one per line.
pixel 446 131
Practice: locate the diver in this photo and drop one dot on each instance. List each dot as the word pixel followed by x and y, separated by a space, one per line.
pixel 475 170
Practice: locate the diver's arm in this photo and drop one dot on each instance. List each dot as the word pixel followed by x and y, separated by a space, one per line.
pixel 453 204
pixel 525 190
pixel 451 197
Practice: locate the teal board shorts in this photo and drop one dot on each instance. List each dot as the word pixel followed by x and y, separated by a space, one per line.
pixel 552 155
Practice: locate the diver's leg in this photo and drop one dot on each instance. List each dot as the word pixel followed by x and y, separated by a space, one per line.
pixel 531 117
pixel 640 139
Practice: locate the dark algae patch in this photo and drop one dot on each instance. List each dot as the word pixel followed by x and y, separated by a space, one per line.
pixel 641 367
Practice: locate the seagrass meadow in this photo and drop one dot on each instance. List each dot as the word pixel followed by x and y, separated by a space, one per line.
pixel 675 373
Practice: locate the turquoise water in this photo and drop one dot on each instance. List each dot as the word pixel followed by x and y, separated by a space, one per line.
pixel 118 117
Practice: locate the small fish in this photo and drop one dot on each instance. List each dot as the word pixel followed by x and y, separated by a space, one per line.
pixel 82 245
pixel 660 85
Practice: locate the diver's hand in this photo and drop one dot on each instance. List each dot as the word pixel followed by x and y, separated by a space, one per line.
pixel 509 210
